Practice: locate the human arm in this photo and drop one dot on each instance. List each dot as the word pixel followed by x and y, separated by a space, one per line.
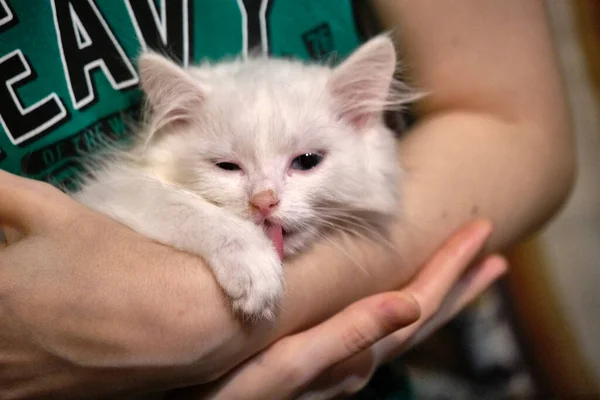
pixel 494 137
pixel 339 355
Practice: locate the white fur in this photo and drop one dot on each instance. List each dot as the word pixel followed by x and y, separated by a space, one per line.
pixel 259 113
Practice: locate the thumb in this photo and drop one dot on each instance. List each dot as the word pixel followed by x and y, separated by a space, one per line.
pixel 361 325
pixel 351 332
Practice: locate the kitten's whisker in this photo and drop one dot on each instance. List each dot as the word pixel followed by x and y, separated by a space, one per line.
pixel 382 240
pixel 344 252
pixel 337 246
pixel 346 230
pixel 358 223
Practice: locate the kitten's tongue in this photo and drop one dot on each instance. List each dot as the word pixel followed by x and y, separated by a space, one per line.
pixel 275 233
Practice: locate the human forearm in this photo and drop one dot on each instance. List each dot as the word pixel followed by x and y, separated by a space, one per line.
pixel 496 113
pixel 463 164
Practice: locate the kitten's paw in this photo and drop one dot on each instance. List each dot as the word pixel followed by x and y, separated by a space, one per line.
pixel 253 278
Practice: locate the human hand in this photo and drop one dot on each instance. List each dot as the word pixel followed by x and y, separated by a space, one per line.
pixel 84 302
pixel 339 355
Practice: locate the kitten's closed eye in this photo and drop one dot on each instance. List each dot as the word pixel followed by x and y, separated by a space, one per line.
pixel 228 166
pixel 306 161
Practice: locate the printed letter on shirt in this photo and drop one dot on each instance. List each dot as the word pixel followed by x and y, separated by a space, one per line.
pixel 87 43
pixel 25 122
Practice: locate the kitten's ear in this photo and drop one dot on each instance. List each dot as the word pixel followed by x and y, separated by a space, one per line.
pixel 361 84
pixel 173 95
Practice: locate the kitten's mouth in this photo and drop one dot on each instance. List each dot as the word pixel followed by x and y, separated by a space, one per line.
pixel 275 232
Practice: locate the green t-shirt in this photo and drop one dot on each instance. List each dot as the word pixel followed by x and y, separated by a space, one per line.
pixel 69 74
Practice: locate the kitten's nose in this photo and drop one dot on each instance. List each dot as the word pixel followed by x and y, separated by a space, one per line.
pixel 264 202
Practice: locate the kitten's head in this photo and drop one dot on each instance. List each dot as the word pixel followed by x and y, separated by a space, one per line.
pixel 279 142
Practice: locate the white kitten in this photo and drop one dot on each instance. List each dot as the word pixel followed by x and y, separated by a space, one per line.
pixel 246 161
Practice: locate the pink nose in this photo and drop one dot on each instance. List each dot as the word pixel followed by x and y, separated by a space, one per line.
pixel 264 202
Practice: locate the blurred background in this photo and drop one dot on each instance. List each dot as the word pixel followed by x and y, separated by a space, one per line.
pixel 537 333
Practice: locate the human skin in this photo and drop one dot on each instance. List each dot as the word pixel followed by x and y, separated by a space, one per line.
pixel 337 357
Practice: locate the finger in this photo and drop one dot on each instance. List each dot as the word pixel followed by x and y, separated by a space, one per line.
pixel 477 281
pixel 440 273
pixel 436 279
pixel 293 362
pixel 358 327
pixel 351 375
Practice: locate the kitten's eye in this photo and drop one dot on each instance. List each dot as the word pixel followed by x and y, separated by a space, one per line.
pixel 228 166
pixel 306 161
